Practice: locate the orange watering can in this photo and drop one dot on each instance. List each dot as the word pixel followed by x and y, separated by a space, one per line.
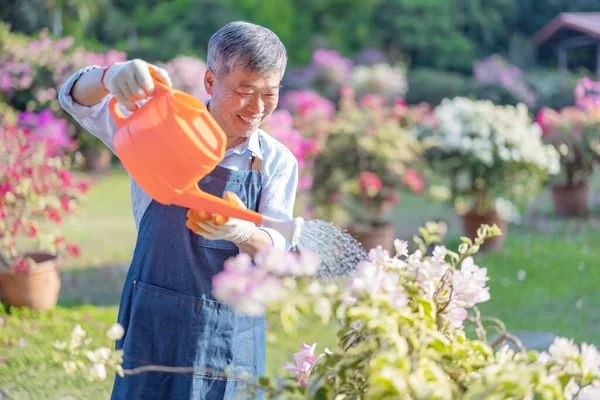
pixel 169 144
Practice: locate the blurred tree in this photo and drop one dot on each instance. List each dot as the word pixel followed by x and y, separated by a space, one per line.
pixel 448 34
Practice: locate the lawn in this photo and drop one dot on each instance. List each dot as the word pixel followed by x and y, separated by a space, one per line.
pixel 545 279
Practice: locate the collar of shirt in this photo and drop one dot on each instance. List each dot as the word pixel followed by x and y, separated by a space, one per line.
pixel 250 145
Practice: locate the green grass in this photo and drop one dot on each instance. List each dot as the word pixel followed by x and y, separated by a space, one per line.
pixel 558 294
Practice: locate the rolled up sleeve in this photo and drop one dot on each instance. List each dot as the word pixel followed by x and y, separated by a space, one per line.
pixel 96 119
pixel 278 197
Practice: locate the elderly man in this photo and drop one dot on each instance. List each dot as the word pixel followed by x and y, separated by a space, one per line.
pixel 169 315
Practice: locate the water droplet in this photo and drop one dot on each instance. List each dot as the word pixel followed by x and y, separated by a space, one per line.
pixel 338 250
pixel 521 275
pixel 579 304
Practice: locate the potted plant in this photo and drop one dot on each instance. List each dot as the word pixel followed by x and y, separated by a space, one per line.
pixel 36 191
pixel 487 154
pixel 366 157
pixel 576 136
pixel 575 132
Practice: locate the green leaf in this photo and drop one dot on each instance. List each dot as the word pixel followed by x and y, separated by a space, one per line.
pixel 263 381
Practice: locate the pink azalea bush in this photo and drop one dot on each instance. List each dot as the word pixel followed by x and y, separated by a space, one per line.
pixel 575 133
pixel 187 74
pixel 281 126
pixel 34 69
pixel 37 191
pixel 367 155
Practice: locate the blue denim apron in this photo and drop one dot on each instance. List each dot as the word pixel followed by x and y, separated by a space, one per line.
pixel 169 314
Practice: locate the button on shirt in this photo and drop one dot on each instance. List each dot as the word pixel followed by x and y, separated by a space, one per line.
pixel 279 166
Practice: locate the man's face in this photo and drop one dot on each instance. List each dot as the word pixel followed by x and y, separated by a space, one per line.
pixel 241 100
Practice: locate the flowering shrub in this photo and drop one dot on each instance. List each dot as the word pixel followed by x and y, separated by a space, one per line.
pixel 326 73
pixel 33 70
pixel 367 154
pixel 494 70
pixel 587 96
pixel 307 105
pixel 380 79
pixel 484 152
pixel 281 126
pixel 575 132
pixel 37 190
pixel 77 354
pixel 401 324
pixel 46 126
pixel 187 74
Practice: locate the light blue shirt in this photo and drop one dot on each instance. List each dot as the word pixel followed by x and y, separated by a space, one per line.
pixel 279 166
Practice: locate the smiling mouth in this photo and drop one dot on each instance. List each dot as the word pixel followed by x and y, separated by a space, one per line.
pixel 249 121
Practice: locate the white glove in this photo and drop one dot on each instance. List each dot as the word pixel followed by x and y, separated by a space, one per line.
pixel 130 81
pixel 234 230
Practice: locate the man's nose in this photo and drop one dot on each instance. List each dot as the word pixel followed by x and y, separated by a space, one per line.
pixel 257 105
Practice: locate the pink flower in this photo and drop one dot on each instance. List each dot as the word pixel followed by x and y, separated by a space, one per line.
pixel 374 280
pixel 413 181
pixel 456 316
pixel 74 250
pixel 369 183
pixel 21 267
pixel 308 103
pixel 247 288
pixel 32 231
pixel 305 361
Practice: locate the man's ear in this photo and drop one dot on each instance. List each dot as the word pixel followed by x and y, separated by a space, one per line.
pixel 209 80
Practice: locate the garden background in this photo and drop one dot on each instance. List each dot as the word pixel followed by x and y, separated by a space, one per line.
pixel 399 59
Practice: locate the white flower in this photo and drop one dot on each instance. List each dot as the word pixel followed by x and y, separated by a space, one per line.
pixel 78 332
pixel 590 392
pixel 98 372
pixel 70 366
pixel 103 354
pixel 590 358
pixel 571 389
pixel 469 284
pixel 401 247
pixel 439 253
pixel 563 349
pixel 378 255
pixel 115 332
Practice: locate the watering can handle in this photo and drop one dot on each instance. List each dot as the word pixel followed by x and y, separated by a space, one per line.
pixel 160 87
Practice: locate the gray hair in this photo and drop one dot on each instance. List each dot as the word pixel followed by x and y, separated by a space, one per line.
pixel 247 46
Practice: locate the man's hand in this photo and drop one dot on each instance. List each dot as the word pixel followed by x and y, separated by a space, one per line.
pixel 130 81
pixel 218 227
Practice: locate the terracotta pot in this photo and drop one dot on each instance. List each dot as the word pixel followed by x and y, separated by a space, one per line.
pixel 571 201
pixel 473 221
pixel 38 289
pixel 97 160
pixel 376 235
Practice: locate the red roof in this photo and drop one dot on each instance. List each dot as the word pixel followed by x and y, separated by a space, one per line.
pixel 584 22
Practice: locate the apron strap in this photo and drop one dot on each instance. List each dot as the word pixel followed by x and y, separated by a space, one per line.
pixel 256 163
